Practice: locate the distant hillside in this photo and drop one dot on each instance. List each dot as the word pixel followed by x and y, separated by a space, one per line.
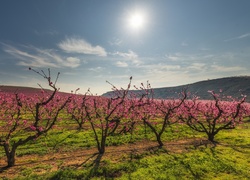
pixel 26 90
pixel 231 86
pixel 18 89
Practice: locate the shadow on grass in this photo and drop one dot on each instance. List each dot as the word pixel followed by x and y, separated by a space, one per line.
pixel 136 154
pixel 64 139
pixel 204 142
pixel 92 156
pixel 2 169
pixel 95 164
pixel 157 149
pixel 187 166
pixel 228 164
pixel 242 148
pixel 245 149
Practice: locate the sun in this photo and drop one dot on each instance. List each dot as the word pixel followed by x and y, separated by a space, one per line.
pixel 136 21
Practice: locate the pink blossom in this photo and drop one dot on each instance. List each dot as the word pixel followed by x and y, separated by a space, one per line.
pixel 33 128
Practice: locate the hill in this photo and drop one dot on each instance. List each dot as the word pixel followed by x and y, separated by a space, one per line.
pixel 18 89
pixel 25 90
pixel 230 86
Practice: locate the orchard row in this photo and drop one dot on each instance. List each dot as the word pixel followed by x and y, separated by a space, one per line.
pixel 34 115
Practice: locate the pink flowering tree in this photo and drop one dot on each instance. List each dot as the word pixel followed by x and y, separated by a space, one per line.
pixel 246 109
pixel 158 114
pixel 44 110
pixel 76 108
pixel 11 113
pixel 105 113
pixel 212 116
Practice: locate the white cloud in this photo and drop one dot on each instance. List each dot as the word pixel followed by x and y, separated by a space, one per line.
pixel 197 66
pixel 121 64
pixel 189 58
pixel 182 57
pixel 173 57
pixel 35 57
pixel 169 67
pixel 160 69
pixel 72 62
pixel 130 55
pixel 116 42
pixel 247 35
pixel 244 36
pixel 73 45
pixel 227 68
pixel 97 69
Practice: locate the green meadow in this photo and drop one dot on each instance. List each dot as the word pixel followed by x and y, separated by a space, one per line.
pixel 68 153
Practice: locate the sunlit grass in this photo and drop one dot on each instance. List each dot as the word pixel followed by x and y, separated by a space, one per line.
pixel 229 159
pixel 222 162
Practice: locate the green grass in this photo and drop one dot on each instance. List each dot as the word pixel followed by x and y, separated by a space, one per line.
pixel 68 140
pixel 230 159
pixel 198 164
pixel 202 163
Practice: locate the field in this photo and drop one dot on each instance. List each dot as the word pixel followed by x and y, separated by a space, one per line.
pixel 47 135
pixel 68 153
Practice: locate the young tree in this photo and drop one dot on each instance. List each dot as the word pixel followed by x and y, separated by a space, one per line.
pixel 104 114
pixel 160 114
pixel 212 116
pixel 76 109
pixel 246 110
pixel 44 109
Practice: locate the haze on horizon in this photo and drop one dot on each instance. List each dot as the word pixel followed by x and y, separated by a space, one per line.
pixel 167 43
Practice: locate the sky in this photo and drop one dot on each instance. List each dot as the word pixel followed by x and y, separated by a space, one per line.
pixel 165 42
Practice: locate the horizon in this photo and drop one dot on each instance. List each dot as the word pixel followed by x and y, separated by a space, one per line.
pixel 48 88
pixel 168 43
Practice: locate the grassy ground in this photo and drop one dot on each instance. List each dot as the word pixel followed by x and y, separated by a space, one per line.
pixel 71 154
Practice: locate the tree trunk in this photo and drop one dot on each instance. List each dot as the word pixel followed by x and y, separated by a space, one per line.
pixel 102 146
pixel 211 137
pixel 158 138
pixel 158 135
pixel 80 126
pixel 11 158
pixel 10 154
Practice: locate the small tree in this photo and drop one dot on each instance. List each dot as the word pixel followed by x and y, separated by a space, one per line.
pixel 44 109
pixel 105 113
pixel 159 114
pixel 246 110
pixel 212 116
pixel 76 109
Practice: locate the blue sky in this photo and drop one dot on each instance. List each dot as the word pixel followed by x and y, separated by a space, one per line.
pixel 89 42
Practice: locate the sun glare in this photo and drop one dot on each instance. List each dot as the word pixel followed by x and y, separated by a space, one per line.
pixel 136 21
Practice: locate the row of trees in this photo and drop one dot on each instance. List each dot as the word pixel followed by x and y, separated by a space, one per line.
pixel 28 116
pixel 34 115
